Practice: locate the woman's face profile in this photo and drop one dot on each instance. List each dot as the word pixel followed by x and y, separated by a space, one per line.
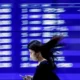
pixel 33 55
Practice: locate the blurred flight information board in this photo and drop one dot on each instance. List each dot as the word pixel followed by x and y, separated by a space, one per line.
pixel 5 35
pixel 39 22
pixel 42 21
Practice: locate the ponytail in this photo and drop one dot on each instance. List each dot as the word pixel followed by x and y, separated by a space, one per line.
pixel 47 47
pixel 50 58
pixel 51 62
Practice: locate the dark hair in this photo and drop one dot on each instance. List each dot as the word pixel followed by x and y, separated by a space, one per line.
pixel 37 46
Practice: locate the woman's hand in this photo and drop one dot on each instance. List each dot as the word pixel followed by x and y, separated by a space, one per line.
pixel 28 77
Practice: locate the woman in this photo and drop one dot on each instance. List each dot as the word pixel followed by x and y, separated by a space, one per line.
pixel 42 53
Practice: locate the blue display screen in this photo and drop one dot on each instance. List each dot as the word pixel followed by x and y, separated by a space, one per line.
pixel 26 22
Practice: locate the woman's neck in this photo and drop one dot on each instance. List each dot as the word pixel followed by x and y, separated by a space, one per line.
pixel 42 59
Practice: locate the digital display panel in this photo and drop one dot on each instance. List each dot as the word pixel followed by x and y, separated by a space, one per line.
pixel 39 22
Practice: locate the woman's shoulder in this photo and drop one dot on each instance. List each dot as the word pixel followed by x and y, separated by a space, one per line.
pixel 44 64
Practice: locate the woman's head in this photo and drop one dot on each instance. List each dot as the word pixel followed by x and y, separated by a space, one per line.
pixel 40 51
pixel 35 50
